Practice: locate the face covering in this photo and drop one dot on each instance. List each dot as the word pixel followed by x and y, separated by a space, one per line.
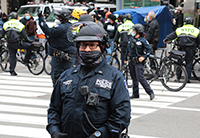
pixel 108 20
pixel 5 19
pixel 145 20
pixel 133 34
pixel 148 18
pixel 91 58
pixel 92 7
pixel 27 17
pixel 57 21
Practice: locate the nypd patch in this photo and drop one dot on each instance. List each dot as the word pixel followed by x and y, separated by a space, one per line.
pixel 147 42
pixel 103 83
pixel 138 43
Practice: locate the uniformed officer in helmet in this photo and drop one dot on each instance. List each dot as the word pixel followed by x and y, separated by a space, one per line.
pixel 90 100
pixel 16 36
pixel 188 39
pixel 122 34
pixel 138 49
pixel 62 51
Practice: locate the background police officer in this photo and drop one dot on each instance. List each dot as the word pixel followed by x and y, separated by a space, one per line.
pixel 136 47
pixel 59 43
pixel 188 38
pixel 91 99
pixel 121 33
pixel 15 33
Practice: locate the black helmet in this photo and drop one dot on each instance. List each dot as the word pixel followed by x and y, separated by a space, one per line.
pixel 89 31
pixel 63 13
pixel 139 28
pixel 188 20
pixel 128 16
pixel 13 15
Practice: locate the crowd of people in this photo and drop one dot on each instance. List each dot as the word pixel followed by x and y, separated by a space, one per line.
pixel 90 98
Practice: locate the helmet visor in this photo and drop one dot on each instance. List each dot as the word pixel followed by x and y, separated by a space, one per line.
pixel 84 31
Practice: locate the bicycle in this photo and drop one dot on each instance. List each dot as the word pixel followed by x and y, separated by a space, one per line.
pixel 196 61
pixel 35 65
pixel 114 61
pixel 169 71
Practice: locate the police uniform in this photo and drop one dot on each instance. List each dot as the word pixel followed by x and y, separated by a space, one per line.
pixel 122 34
pixel 67 107
pixel 188 38
pixel 14 32
pixel 137 68
pixel 58 40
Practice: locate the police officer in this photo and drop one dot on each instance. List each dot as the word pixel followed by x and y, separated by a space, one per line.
pixel 136 47
pixel 188 38
pixel 62 51
pixel 90 100
pixel 15 34
pixel 122 33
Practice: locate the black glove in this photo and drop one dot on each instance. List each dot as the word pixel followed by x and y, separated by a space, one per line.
pixel 30 41
pixel 57 134
pixel 92 136
pixel 39 13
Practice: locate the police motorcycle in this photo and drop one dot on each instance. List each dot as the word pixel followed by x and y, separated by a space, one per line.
pixel 91 99
pixel 36 60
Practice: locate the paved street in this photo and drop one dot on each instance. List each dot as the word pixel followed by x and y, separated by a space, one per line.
pixel 24 101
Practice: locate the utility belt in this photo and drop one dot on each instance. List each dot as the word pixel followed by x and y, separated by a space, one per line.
pixel 134 59
pixel 62 55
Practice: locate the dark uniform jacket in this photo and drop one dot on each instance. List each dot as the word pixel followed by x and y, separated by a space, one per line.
pixel 58 37
pixel 152 31
pixel 67 105
pixel 138 48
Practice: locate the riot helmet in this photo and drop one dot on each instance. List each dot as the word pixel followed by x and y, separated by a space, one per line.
pixel 63 13
pixel 188 20
pixel 88 31
pixel 13 15
pixel 139 28
pixel 128 16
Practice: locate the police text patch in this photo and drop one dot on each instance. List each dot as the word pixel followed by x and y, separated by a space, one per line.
pixel 103 83
pixel 68 83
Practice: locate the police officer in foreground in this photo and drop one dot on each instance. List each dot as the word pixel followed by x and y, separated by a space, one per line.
pixel 138 49
pixel 62 51
pixel 122 34
pixel 188 39
pixel 90 100
pixel 16 36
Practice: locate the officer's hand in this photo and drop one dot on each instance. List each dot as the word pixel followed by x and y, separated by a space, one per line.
pixel 92 136
pixel 57 134
pixel 30 41
pixel 165 41
pixel 39 13
pixel 141 59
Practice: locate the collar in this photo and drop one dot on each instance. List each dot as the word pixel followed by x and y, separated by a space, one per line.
pixel 95 70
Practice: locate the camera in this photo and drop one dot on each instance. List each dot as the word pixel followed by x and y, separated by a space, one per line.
pixel 92 99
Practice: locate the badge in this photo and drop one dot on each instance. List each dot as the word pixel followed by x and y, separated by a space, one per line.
pixel 56 26
pixel 103 83
pixel 68 83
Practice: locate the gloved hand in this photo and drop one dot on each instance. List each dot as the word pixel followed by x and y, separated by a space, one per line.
pixel 92 136
pixel 39 13
pixel 57 134
pixel 30 41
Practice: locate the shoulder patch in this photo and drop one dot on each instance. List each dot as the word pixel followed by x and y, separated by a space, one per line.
pixel 125 84
pixel 147 42
pixel 56 26
pixel 103 83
